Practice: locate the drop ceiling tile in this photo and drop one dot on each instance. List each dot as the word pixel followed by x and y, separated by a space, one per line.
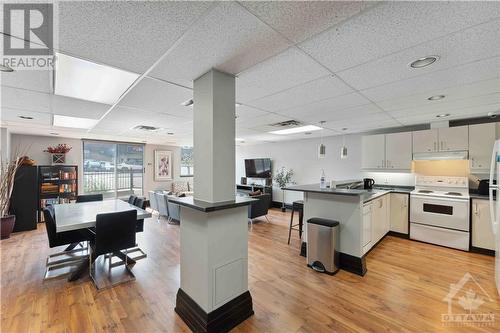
pixel 479 88
pixel 451 107
pixel 302 19
pixel 352 114
pixel 245 112
pixel 476 43
pixel 140 32
pixel 326 87
pixel 393 26
pixel 287 69
pixel 12 115
pixel 39 81
pixel 262 122
pixel 25 99
pixel 327 108
pixel 435 81
pixel 158 96
pixel 73 107
pixel 228 38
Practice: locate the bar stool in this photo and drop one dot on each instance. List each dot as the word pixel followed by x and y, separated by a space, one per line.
pixel 297 206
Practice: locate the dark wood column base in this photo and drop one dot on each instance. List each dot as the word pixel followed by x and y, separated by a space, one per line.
pixel 222 319
pixel 352 264
pixel 303 249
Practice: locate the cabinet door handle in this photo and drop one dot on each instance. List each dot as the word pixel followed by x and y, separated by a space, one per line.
pixel 435 144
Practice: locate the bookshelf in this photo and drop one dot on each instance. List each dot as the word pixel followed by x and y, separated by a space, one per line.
pixel 57 184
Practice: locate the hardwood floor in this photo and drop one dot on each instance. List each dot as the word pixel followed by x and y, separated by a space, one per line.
pixel 403 290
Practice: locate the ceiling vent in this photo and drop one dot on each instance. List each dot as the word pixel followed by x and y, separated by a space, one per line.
pixel 287 123
pixel 146 128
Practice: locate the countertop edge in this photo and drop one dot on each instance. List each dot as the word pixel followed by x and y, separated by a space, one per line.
pixel 204 206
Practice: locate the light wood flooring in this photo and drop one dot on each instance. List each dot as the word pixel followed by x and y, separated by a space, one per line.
pixel 403 290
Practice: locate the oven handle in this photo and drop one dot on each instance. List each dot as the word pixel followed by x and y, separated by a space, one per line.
pixel 416 196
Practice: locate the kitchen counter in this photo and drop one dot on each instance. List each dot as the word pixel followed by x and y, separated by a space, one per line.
pixel 366 195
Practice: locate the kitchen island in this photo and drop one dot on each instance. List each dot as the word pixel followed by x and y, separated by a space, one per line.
pixel 348 207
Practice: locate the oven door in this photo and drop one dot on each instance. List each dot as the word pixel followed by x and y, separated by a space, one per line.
pixel 440 212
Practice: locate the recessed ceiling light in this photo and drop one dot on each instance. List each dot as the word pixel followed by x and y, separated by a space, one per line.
pixel 53 133
pixel 294 130
pixel 89 81
pixel 5 68
pixel 436 97
pixel 74 122
pixel 423 62
pixel 26 117
pixel 444 115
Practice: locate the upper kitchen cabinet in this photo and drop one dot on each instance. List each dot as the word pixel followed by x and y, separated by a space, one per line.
pixel 481 140
pixel 373 151
pixel 441 139
pixel 453 138
pixel 387 151
pixel 425 141
pixel 398 151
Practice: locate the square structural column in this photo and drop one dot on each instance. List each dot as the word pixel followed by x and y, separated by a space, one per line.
pixel 213 294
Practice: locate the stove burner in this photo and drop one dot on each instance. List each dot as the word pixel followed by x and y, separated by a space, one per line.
pixel 454 193
pixel 425 191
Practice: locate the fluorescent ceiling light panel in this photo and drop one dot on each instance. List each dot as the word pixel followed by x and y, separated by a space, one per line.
pixel 308 128
pixel 86 80
pixel 74 122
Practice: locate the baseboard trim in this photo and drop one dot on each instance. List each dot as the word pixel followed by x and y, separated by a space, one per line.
pixel 352 264
pixel 398 234
pixel 222 319
pixel 482 251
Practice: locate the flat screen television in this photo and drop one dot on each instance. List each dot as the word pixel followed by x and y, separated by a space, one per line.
pixel 258 168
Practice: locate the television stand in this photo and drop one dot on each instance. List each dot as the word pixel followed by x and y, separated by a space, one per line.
pixel 246 189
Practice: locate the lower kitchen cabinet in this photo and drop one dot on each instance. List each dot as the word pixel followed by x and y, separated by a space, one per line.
pixel 399 212
pixel 482 232
pixel 376 221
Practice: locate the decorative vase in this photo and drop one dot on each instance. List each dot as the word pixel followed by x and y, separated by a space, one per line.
pixel 58 158
pixel 7 225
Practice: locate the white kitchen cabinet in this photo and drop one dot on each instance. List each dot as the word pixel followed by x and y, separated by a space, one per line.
pixel 373 151
pixel 367 227
pixel 380 218
pixel 481 140
pixel 399 212
pixel 425 141
pixel 453 138
pixel 398 153
pixel 482 232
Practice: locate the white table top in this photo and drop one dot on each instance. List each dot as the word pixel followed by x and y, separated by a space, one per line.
pixel 82 215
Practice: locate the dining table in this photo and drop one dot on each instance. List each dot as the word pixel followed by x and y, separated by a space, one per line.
pixel 82 215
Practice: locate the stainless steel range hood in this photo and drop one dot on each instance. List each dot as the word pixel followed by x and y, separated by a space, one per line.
pixel 441 156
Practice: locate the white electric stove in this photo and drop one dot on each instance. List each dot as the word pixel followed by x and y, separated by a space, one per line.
pixel 439 211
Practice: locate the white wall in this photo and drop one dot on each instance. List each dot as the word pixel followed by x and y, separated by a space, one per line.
pixel 302 157
pixel 4 144
pixel 33 146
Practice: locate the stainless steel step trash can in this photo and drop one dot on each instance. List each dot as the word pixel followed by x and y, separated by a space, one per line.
pixel 322 245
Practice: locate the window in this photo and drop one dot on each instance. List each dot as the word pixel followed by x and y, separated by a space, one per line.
pixel 187 165
pixel 113 169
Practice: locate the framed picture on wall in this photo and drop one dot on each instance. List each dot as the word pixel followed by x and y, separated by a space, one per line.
pixel 163 165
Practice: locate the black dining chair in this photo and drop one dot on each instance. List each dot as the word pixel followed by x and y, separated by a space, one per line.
pixel 140 203
pixel 131 199
pixel 72 255
pixel 113 233
pixel 89 197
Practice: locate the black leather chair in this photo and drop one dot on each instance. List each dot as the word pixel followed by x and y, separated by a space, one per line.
pixel 141 203
pixel 114 232
pixel 260 207
pixel 70 256
pixel 132 199
pixel 89 198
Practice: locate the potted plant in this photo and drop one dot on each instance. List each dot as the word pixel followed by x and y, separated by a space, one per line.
pixel 283 177
pixel 58 153
pixel 8 173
